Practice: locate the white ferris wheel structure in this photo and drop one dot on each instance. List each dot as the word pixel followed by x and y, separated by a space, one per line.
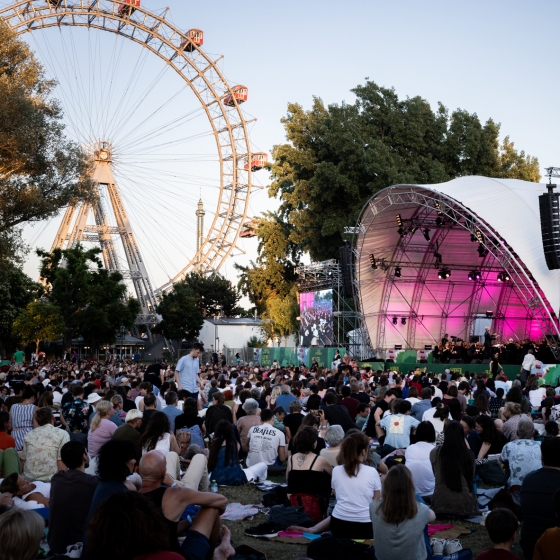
pixel 153 138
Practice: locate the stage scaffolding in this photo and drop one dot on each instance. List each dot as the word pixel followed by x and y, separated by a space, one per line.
pixel 348 323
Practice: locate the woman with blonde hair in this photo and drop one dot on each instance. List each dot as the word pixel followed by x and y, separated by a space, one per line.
pixel 21 532
pixel 276 392
pixel 101 429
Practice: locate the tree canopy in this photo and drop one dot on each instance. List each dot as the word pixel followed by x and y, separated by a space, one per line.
pixel 41 171
pixel 338 156
pixel 39 321
pixel 93 302
pixel 196 296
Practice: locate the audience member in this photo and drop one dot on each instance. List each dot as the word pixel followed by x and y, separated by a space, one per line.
pixel 40 456
pixel 20 534
pixel 501 525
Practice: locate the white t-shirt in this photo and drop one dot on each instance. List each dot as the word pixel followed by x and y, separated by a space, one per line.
pixel 353 495
pixel 41 487
pixel 438 423
pixel 536 396
pixel 412 400
pixel 528 361
pixel 438 393
pixel 418 463
pixel 264 441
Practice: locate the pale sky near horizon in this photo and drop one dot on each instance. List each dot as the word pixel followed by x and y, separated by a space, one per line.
pixel 494 58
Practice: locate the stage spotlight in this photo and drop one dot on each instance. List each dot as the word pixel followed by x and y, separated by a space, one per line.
pixel 372 261
pixel 426 234
pixel 395 320
pixel 398 273
pixel 412 229
pixel 439 222
pixel 506 276
pixel 500 276
pixel 401 231
pixel 444 273
pixel 482 251
pixel 399 220
pixel 403 320
pixel 474 275
pixel 489 314
pixel 479 235
pixel 473 237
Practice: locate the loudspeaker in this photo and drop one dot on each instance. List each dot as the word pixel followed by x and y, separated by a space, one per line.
pixel 346 268
pixel 549 206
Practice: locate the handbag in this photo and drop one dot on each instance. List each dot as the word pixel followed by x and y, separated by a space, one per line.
pixel 491 473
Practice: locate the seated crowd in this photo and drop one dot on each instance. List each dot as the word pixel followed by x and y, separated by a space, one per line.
pixel 122 460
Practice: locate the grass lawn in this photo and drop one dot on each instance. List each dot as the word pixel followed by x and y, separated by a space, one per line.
pixel 477 541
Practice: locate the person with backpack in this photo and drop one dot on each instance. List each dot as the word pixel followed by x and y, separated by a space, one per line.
pixel 223 462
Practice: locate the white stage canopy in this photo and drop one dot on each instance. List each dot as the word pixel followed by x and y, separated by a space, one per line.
pixel 485 232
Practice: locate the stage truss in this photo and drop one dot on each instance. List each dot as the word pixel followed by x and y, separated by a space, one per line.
pixel 327 275
pixel 441 214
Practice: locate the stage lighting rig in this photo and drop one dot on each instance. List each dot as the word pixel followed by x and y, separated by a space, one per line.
pixel 444 273
pixel 395 320
pixel 373 262
pixel 503 277
pixel 478 234
pixel 403 320
pixel 482 251
pixel 474 275
pixel 399 220
pixel 426 234
pixel 473 238
pixel 398 272
pixel 439 222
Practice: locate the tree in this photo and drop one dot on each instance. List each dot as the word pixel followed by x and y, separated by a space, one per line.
pixel 41 171
pixel 39 321
pixel 93 302
pixel 255 342
pixel 338 156
pixel 181 314
pixel 215 294
pixel 16 291
pixel 271 282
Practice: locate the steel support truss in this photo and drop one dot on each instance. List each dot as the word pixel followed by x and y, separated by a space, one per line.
pixel 327 275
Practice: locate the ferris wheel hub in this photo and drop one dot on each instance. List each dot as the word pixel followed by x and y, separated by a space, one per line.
pixel 103 152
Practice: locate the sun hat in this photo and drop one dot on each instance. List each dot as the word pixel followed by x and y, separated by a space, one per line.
pixel 93 398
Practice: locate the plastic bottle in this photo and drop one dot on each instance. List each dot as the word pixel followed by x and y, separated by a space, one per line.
pixel 214 487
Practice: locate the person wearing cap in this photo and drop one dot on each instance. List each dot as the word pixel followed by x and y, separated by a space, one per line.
pixel 130 431
pixel 76 412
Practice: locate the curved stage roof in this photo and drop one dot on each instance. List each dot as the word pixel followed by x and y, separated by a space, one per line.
pixel 477 227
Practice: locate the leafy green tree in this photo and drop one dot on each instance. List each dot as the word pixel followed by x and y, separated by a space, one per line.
pixel 93 302
pixel 16 291
pixel 40 170
pixel 338 156
pixel 215 294
pixel 39 321
pixel 271 282
pixel 180 312
pixel 255 342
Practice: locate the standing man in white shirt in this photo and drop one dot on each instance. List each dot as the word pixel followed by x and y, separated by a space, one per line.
pixel 526 366
pixel 187 372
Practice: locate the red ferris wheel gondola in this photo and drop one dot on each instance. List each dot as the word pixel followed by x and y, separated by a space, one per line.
pixel 258 161
pixel 240 94
pixel 194 37
pixel 127 7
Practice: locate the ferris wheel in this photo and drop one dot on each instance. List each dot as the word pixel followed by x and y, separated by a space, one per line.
pixel 165 132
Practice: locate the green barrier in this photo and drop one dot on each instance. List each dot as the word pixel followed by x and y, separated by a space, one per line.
pixel 324 356
pixel 406 367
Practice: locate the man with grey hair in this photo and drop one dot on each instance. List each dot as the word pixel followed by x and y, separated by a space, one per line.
pixel 333 436
pixel 245 423
pixel 522 456
pixel 285 398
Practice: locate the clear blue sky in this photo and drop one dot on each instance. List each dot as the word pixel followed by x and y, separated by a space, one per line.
pixel 496 58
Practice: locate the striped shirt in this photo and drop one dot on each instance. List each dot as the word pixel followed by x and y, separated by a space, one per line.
pixel 22 422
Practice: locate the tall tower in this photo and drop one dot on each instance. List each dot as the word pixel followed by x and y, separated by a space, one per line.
pixel 199 227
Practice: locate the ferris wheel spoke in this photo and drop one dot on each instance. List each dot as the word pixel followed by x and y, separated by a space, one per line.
pixel 134 76
pixel 164 129
pixel 71 76
pixel 144 171
pixel 49 63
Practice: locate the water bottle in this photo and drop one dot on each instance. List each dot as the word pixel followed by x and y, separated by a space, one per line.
pixel 214 487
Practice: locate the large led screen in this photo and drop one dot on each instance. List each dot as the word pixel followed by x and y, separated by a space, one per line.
pixel 316 318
